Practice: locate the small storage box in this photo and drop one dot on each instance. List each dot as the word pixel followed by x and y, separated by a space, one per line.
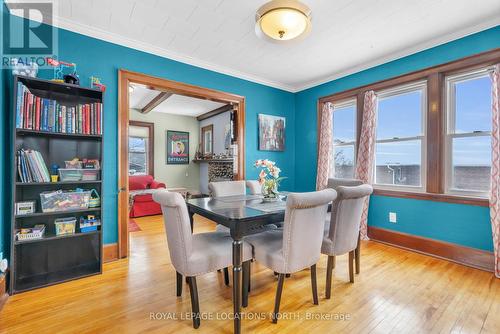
pixel 70 174
pixel 34 233
pixel 52 201
pixel 65 225
pixel 90 174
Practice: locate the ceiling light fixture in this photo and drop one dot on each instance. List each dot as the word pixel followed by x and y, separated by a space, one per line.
pixel 283 20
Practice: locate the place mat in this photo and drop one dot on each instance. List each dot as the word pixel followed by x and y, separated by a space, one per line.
pixel 237 198
pixel 268 206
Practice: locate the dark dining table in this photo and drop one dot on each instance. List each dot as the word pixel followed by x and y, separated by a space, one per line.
pixel 243 215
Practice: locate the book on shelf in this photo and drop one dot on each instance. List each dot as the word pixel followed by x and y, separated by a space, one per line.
pixel 41 114
pixel 31 167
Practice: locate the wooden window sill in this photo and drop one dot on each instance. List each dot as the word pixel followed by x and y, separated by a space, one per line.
pixel 433 197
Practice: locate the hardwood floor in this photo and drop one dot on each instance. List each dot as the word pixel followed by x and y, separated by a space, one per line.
pixel 396 292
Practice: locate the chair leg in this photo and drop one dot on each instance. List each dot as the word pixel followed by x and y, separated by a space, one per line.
pixel 226 276
pixel 179 284
pixel 329 269
pixel 314 285
pixel 351 266
pixel 195 305
pixel 281 280
pixel 357 254
pixel 246 283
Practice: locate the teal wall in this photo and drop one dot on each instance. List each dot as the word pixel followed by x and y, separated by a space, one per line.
pixel 103 59
pixel 461 224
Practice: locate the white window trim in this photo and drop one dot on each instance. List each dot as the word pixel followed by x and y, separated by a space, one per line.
pixel 338 105
pixel 450 134
pixel 420 85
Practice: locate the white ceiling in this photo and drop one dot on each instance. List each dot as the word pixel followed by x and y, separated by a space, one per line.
pixel 175 104
pixel 347 35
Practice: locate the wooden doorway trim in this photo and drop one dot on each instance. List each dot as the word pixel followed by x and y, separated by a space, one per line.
pixel 125 78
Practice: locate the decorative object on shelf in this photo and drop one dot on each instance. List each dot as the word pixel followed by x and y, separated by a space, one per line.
pixel 65 226
pixel 36 232
pixel 60 67
pixel 54 175
pixel 25 207
pixel 95 199
pixel 89 224
pixel 283 20
pixel 177 147
pixel 20 68
pixel 207 140
pixel 269 179
pixel 271 133
pixel 95 83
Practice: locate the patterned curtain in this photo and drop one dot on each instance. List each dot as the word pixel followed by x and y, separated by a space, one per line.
pixel 495 167
pixel 366 152
pixel 325 146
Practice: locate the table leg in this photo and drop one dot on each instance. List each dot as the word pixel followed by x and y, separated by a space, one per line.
pixel 237 255
pixel 191 219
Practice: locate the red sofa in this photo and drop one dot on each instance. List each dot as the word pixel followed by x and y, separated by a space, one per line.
pixel 140 189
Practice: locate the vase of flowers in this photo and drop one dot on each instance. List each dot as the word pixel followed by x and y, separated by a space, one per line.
pixel 269 179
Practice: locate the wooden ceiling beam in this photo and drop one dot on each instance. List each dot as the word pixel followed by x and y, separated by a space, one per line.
pixel 156 101
pixel 215 112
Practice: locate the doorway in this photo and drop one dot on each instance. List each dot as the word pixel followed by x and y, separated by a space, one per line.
pixel 167 87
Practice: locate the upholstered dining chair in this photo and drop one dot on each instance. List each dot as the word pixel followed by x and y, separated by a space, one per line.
pixel 334 183
pixel 341 235
pixel 298 245
pixel 193 255
pixel 254 187
pixel 229 188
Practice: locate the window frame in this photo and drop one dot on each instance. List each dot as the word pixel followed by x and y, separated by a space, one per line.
pixel 394 91
pixel 435 183
pixel 342 104
pixel 149 149
pixel 449 130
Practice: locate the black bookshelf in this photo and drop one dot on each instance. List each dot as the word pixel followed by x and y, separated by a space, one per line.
pixel 54 258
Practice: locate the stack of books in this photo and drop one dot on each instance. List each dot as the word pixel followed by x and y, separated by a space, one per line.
pixel 31 167
pixel 41 114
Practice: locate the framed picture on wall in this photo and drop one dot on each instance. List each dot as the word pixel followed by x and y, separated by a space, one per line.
pixel 271 133
pixel 177 147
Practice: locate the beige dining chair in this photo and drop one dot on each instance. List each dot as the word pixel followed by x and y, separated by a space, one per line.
pixel 298 245
pixel 224 189
pixel 341 233
pixel 334 183
pixel 193 255
pixel 254 187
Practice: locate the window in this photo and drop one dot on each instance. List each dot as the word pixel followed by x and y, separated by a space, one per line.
pixel 468 133
pixel 140 150
pixel 344 139
pixel 400 139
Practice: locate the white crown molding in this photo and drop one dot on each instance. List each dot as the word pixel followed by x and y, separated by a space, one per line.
pixel 107 36
pixel 402 53
pixel 293 88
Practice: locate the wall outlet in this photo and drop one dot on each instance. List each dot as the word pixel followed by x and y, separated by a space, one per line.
pixel 393 217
